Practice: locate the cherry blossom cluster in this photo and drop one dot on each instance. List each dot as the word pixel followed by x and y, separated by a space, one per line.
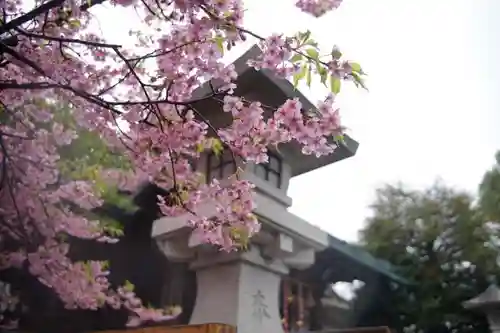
pixel 275 56
pixel 250 134
pixel 318 7
pixel 140 102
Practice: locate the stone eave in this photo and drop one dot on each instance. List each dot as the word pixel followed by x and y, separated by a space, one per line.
pixel 490 298
pixel 331 251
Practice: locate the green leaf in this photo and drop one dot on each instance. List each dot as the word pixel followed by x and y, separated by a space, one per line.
pixel 358 80
pixel 319 67
pixel 312 42
pixel 111 227
pixel 299 76
pixel 219 41
pixel 323 73
pixel 313 53
pixel 217 146
pixel 87 269
pixel 200 147
pixel 240 236
pixel 296 57
pixel 105 265
pixel 335 84
pixel 304 36
pixel 110 194
pixel 356 67
pixel 129 286
pixel 309 76
pixel 336 54
pixel 339 138
pixel 75 23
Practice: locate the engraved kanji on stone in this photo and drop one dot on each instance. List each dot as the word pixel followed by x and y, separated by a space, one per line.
pixel 260 307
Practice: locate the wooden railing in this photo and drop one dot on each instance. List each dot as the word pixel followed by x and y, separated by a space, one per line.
pixel 205 328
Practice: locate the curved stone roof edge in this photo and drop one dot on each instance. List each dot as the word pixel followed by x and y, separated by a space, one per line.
pixel 366 259
pixel 350 146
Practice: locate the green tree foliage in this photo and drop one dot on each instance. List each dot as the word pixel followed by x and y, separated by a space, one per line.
pixel 489 192
pixel 85 159
pixel 441 242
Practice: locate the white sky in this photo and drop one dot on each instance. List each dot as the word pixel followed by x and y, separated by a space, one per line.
pixel 432 106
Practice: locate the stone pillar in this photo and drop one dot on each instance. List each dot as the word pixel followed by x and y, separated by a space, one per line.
pixel 239 289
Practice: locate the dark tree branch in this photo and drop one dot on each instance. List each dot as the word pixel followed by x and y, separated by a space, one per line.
pixel 68 40
pixel 18 21
pixel 43 9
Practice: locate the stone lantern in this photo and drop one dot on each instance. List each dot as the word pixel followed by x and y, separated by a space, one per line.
pixel 488 303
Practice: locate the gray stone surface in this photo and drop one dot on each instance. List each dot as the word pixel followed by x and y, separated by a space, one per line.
pixel 489 303
pixel 243 292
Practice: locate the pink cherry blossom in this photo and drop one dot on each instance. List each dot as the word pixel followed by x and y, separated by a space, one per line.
pixel 140 102
pixel 318 7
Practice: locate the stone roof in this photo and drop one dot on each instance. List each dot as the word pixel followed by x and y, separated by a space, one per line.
pixel 489 298
pixel 272 91
pixel 365 259
pixel 342 261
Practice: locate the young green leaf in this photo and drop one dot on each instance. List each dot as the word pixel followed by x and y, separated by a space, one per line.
pixel 129 286
pixel 358 80
pixel 296 57
pixel 312 53
pixel 335 84
pixel 304 36
pixel 75 23
pixel 309 76
pixel 299 76
pixel 217 147
pixel 323 76
pixel 219 41
pixel 312 42
pixel 339 139
pixel 336 54
pixel 200 147
pixel 356 67
pixel 105 265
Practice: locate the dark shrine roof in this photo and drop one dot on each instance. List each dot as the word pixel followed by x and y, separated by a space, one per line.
pixel 363 258
pixel 342 261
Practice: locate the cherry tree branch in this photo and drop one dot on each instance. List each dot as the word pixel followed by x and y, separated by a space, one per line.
pixel 20 20
pixel 40 10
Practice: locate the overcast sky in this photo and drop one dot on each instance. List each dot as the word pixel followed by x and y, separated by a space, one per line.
pixel 432 109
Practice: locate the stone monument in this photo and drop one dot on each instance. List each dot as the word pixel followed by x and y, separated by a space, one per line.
pixel 242 288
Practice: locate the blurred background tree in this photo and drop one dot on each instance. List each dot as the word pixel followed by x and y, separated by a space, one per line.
pixel 445 243
pixel 489 192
